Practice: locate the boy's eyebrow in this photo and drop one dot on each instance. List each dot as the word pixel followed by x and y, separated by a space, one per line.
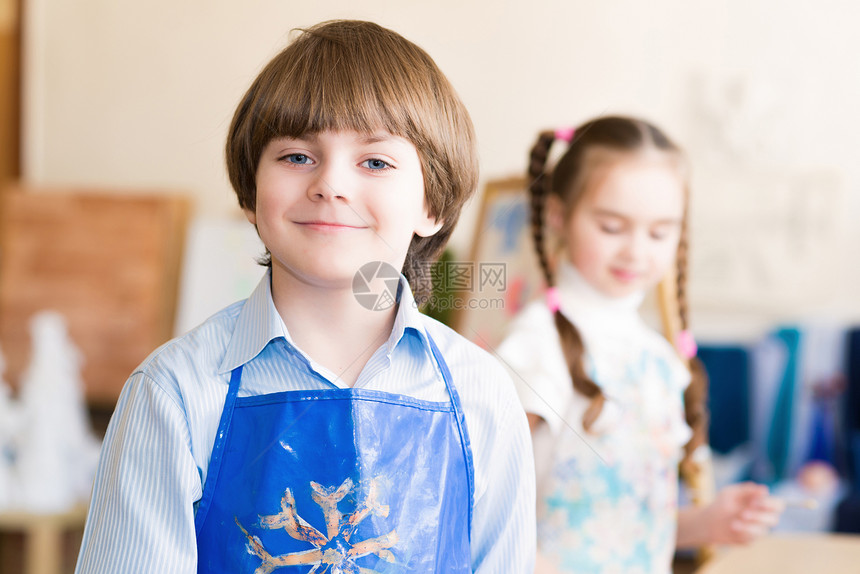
pixel 364 138
pixel 375 137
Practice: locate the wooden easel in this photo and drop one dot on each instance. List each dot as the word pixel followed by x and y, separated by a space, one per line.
pixel 109 262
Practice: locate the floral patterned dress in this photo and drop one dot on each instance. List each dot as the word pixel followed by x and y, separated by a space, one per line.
pixel 607 499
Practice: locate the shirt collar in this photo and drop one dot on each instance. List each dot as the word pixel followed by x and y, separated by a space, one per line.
pixel 408 318
pixel 580 300
pixel 259 323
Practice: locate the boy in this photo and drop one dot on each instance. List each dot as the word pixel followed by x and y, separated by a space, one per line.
pixel 303 427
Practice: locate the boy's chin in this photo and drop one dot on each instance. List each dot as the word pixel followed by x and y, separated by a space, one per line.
pixel 326 278
pixel 369 276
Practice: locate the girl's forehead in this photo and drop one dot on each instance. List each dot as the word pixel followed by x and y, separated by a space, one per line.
pixel 639 188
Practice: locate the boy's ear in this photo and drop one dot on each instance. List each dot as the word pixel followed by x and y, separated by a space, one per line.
pixel 251 215
pixel 428 226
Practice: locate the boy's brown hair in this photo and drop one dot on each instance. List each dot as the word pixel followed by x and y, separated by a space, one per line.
pixel 354 75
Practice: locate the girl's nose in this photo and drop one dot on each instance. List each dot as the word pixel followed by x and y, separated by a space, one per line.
pixel 634 247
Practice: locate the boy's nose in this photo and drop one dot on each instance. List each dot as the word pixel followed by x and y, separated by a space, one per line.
pixel 320 189
pixel 330 183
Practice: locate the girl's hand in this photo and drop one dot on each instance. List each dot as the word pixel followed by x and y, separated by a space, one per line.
pixel 741 513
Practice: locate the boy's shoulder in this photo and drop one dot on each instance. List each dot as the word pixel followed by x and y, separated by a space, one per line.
pixel 475 370
pixel 201 349
pixel 450 341
pixel 495 419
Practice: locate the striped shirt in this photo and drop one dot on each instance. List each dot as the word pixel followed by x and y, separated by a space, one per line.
pixel 157 447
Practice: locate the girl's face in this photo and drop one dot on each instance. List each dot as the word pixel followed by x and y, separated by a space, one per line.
pixel 623 234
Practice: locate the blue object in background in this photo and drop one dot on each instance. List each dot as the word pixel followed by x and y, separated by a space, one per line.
pixel 728 370
pixel 852 409
pixel 510 218
pixel 847 518
pixel 779 437
pixel 822 445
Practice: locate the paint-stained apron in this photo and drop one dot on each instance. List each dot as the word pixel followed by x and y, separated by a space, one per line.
pixel 337 481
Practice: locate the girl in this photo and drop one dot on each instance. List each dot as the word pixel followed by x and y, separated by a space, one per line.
pixel 606 396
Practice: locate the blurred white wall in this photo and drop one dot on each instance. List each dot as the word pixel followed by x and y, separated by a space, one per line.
pixel 140 94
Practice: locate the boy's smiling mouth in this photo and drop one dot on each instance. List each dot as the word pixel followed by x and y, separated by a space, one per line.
pixel 323 225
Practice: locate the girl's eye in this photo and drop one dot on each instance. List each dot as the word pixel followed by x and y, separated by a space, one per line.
pixel 611 229
pixel 662 232
pixel 298 158
pixel 376 164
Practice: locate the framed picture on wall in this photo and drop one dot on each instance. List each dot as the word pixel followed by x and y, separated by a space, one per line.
pixel 502 273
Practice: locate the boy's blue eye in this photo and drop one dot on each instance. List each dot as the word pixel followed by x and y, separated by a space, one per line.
pixel 298 158
pixel 375 164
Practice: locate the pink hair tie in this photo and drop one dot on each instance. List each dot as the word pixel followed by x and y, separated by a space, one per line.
pixel 552 300
pixel 565 134
pixel 686 344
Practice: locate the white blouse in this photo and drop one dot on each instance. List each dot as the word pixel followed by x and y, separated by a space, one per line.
pixel 607 499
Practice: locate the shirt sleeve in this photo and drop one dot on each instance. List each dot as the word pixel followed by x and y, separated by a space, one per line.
pixel 141 516
pixel 503 529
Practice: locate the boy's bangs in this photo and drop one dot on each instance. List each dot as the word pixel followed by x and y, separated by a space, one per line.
pixel 359 88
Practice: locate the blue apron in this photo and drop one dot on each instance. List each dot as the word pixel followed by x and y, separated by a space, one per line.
pixel 337 481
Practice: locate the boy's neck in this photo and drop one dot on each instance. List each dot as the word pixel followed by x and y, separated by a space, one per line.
pixel 330 326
